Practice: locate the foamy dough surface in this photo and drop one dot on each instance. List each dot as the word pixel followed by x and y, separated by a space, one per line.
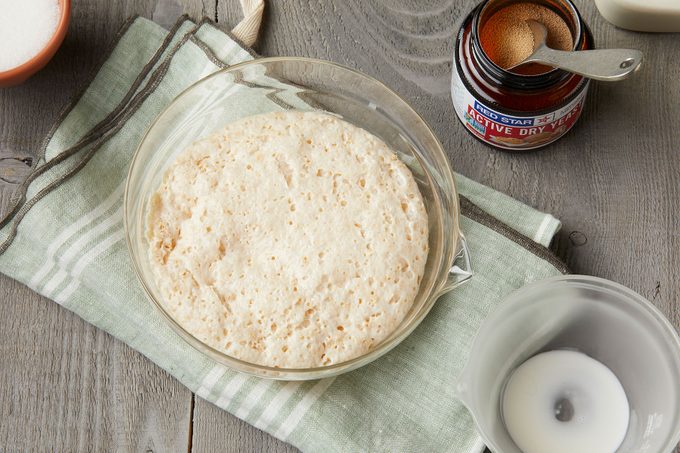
pixel 288 239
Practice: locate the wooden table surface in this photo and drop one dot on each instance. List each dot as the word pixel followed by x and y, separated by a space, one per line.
pixel 614 181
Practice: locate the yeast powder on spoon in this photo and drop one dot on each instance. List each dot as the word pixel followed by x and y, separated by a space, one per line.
pixel 507 39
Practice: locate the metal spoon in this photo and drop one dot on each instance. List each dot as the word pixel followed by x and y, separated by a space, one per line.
pixel 609 65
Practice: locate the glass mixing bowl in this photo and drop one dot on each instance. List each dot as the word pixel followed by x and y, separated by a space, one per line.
pixel 271 84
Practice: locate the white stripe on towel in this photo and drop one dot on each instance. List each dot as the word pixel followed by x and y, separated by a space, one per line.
pixel 72 229
pixel 541 228
pixel 232 387
pixel 52 283
pixel 210 380
pixel 253 398
pixel 299 411
pixel 86 259
pixel 78 246
pixel 97 250
pixel 272 410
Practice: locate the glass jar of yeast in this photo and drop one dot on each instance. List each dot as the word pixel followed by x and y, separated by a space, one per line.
pixel 524 107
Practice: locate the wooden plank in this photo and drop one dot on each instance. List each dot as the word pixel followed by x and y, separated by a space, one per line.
pixel 229 13
pixel 217 430
pixel 213 428
pixel 68 386
pixel 65 385
pixel 613 181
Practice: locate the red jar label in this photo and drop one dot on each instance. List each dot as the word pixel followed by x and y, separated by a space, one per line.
pixel 513 132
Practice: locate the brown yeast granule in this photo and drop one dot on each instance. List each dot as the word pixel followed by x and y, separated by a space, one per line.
pixel 507 39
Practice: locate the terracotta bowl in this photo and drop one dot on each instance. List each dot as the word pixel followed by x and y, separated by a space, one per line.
pixel 18 75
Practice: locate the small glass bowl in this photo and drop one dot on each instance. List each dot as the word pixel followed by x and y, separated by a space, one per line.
pixel 274 84
pixel 600 318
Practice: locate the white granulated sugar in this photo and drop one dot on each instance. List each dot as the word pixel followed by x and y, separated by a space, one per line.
pixel 291 240
pixel 26 26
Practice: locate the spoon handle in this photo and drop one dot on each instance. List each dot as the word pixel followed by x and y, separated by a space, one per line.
pixel 608 65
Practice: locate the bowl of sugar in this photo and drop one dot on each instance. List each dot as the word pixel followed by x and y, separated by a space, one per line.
pixel 30 34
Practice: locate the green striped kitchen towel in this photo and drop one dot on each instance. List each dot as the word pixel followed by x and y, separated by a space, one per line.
pixel 65 240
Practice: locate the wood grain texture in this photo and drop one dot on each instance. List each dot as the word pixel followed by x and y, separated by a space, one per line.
pixel 614 178
pixel 216 430
pixel 64 385
pixel 67 386
pixel 614 181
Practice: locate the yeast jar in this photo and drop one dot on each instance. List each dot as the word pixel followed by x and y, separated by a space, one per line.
pixel 509 110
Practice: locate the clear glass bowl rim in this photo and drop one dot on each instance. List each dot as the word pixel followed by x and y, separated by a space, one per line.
pixel 268 372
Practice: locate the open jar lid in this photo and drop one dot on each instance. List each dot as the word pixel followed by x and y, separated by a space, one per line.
pixel 642 15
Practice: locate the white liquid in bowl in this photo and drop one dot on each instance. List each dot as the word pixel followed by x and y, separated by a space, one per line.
pixel 565 402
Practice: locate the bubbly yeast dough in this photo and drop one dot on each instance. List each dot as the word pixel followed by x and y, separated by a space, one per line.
pixel 289 239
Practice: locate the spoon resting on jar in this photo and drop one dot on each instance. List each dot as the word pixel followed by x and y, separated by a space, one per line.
pixel 609 65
